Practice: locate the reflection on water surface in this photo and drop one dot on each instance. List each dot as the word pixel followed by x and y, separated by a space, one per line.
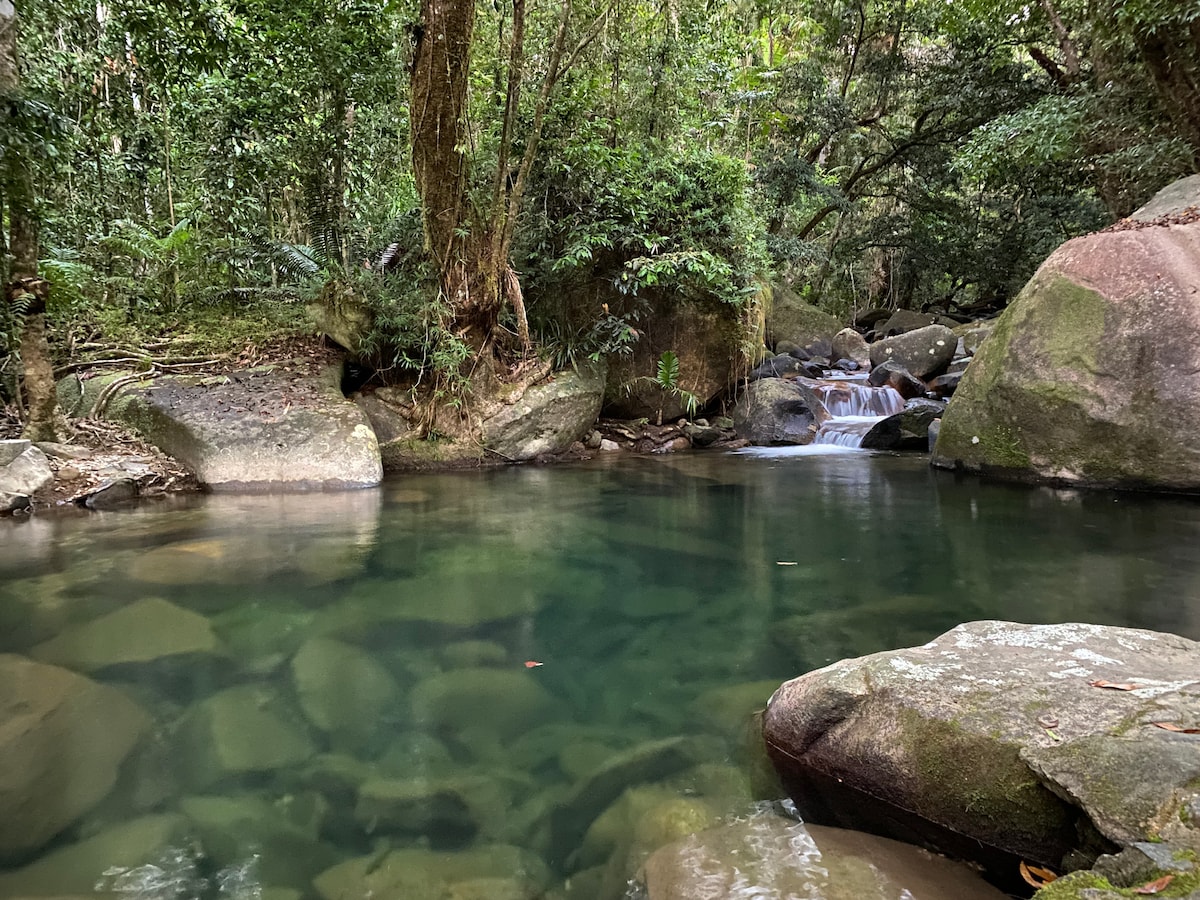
pixel 335 695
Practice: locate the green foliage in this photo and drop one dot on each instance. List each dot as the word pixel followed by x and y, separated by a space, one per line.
pixel 647 218
pixel 666 379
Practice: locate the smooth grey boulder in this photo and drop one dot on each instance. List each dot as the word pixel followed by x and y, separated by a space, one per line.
pixel 924 352
pixel 778 411
pixel 903 321
pixel 63 738
pixel 251 430
pixel 1092 375
pixel 547 417
pixel 26 473
pixel 850 344
pixel 1059 724
pixel 144 631
pixel 770 855
pixel 11 449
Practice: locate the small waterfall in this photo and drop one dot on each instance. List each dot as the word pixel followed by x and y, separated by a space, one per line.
pixel 854 409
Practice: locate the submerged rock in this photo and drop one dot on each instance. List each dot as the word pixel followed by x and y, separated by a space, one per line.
pixel 493 701
pixel 145 631
pixel 415 874
pixel 1060 767
pixel 233 829
pixel 77 868
pixel 768 855
pixel 652 761
pixel 235 733
pixel 62 740
pixel 344 691
pixel 463 805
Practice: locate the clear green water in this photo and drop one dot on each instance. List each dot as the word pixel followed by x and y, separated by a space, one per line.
pixel 663 597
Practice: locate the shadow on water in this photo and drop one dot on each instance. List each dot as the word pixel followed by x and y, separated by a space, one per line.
pixel 409 689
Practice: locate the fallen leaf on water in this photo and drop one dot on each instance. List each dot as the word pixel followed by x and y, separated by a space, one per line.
pixel 785 563
pixel 1114 686
pixel 532 664
pixel 1153 887
pixel 1171 726
pixel 1037 876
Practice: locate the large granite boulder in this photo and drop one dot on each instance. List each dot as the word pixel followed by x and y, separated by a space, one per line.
pixel 543 413
pixel 62 741
pixel 706 337
pixel 769 855
pixel 257 429
pixel 778 411
pixel 1092 375
pixel 793 320
pixel 924 352
pixel 1051 743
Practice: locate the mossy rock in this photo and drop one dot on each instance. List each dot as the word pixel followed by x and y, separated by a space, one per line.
pixel 1091 376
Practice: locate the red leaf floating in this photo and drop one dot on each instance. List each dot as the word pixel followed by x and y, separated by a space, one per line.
pixel 532 664
pixel 1114 686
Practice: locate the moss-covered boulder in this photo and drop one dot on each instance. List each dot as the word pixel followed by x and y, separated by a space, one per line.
pixel 62 741
pixel 1091 375
pixel 793 320
pixel 1038 741
pixel 924 352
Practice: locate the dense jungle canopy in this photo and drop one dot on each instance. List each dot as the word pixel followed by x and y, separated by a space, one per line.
pixel 467 172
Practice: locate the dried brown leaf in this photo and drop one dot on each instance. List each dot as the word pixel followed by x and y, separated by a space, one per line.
pixel 1153 887
pixel 1037 876
pixel 1115 686
pixel 1179 729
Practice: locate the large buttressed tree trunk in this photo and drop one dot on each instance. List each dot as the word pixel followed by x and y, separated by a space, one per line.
pixel 25 292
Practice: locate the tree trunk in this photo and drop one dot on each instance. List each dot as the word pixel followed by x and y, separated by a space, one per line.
pixel 440 75
pixel 25 291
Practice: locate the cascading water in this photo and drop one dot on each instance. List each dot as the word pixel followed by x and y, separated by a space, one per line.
pixel 854 409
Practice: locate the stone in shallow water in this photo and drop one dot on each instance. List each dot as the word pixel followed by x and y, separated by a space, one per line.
pixel 727 709
pixel 652 761
pixel 76 868
pixel 461 805
pixel 62 739
pixel 234 733
pixel 415 874
pixel 233 829
pixel 344 691
pixel 142 632
pixel 503 703
pixel 767 855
